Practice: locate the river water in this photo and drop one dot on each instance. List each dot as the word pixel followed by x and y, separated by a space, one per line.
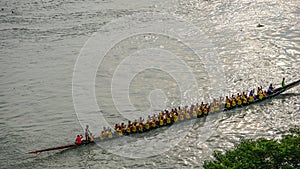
pixel 64 64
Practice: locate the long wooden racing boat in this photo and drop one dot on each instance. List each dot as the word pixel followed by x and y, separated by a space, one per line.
pixel 269 96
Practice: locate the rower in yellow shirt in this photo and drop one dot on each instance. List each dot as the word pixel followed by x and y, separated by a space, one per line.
pixel 110 134
pixel 244 98
pixel 175 118
pixel 233 101
pixel 199 113
pixel 251 98
pixel 239 99
pixel 227 103
pixel 133 129
pixel 147 125
pixel 161 121
pixel 153 124
pixel 140 127
pixel 91 138
pixel 187 114
pixel 102 135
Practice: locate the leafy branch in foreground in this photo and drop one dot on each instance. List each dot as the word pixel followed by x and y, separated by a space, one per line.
pixel 261 153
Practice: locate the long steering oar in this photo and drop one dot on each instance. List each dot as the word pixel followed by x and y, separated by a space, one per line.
pixel 53 148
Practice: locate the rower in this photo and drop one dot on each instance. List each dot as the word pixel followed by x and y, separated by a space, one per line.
pixel 102 135
pixel 244 98
pixel 251 92
pixel 120 131
pixel 128 130
pixel 153 124
pixel 244 95
pixel 205 110
pixel 133 128
pixel 78 140
pixel 195 108
pixel 147 125
pixel 233 98
pixel 104 129
pixel 161 121
pixel 220 101
pixel 251 98
pixel 199 113
pixel 202 106
pixel 116 127
pixel 259 90
pixel 227 102
pixel 149 118
pixel 233 101
pixel 175 117
pixel 141 120
pixel 91 138
pixel 140 127
pixel 211 108
pixel 265 94
pixel 122 127
pixel 239 99
pixel 109 134
pixel 270 89
pixel 181 116
pixel 129 124
pixel 283 83
pixel 218 104
pixel 168 120
pixel 186 112
pixel 260 94
pixel 175 112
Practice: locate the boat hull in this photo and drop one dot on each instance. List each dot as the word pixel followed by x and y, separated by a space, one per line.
pixel 272 95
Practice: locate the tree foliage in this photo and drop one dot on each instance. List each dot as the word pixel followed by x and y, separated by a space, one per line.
pixel 261 153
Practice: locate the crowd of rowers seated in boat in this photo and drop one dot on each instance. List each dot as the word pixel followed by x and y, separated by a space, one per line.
pixel 243 99
pixel 165 118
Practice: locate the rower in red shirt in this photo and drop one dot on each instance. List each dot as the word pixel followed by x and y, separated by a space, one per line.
pixel 78 140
